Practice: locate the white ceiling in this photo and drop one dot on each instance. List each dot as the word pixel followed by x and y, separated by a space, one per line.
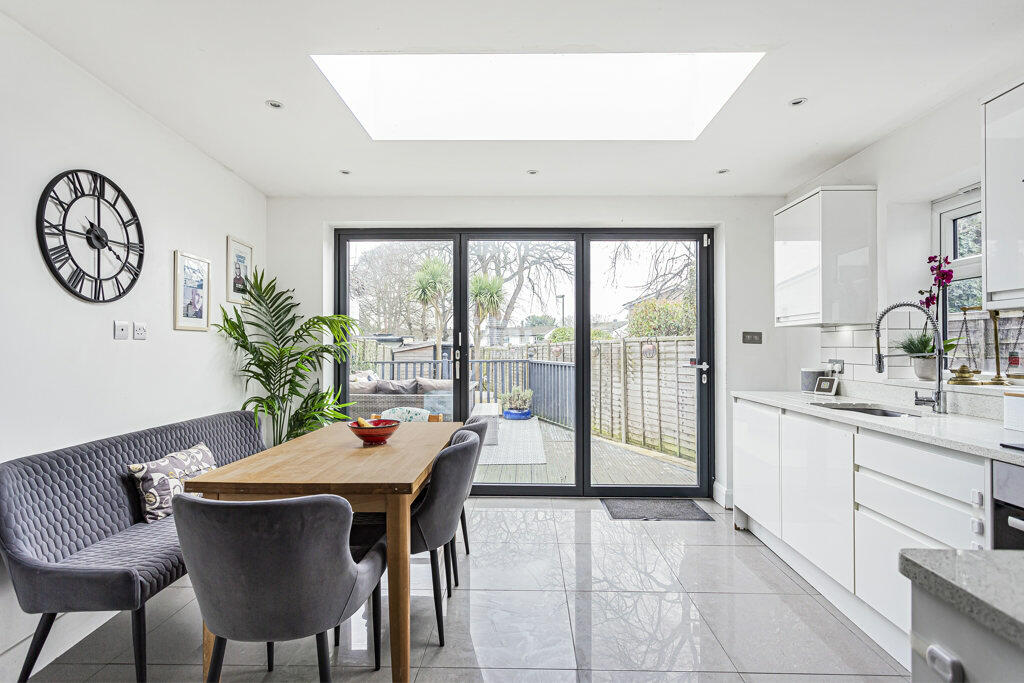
pixel 205 68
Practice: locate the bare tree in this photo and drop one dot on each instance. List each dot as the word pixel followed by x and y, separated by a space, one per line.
pixel 533 266
pixel 671 267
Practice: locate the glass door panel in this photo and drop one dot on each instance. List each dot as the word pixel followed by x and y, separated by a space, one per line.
pixel 643 388
pixel 522 365
pixel 401 293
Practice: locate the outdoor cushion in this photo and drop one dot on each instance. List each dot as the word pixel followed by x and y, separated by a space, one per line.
pixel 425 385
pixel 363 386
pixel 396 386
pixel 406 414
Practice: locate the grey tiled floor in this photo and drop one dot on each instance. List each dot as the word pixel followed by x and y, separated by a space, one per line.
pixel 554 590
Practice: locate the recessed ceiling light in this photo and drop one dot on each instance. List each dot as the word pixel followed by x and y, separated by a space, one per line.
pixel 722 171
pixel 345 171
pixel 274 104
pixel 532 171
pixel 596 96
pixel 797 102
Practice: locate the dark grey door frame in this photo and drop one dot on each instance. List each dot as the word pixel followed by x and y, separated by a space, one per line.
pixel 582 237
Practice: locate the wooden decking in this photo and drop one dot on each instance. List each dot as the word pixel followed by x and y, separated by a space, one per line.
pixel 612 463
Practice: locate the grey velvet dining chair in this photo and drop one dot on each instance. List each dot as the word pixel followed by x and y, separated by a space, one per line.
pixel 435 517
pixel 477 425
pixel 274 570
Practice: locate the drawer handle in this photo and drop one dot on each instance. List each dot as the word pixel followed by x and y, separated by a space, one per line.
pixel 945 664
pixel 1016 523
pixel 978 526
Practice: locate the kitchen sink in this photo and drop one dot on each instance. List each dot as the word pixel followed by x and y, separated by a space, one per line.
pixel 865 408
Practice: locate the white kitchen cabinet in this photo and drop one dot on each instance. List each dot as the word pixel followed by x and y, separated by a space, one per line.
pixel 1003 196
pixel 825 258
pixel 755 448
pixel 817 492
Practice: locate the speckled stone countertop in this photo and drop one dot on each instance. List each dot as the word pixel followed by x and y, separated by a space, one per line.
pixel 980 583
pixel 956 432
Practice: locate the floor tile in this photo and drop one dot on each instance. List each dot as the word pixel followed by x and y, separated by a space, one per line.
pixel 113 640
pixel 710 506
pixel 658 677
pixel 636 565
pixel 643 632
pixel 65 672
pixel 864 638
pixel 510 566
pixel 155 673
pixel 577 504
pixel 504 630
pixel 785 634
pixel 438 675
pixel 725 569
pixel 788 571
pixel 508 503
pixel 504 525
pixel 594 526
pixel 719 531
pixel 814 678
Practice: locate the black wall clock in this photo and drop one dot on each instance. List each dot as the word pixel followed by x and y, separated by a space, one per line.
pixel 90 235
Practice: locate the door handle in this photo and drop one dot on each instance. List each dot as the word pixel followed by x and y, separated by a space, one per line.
pixel 703 366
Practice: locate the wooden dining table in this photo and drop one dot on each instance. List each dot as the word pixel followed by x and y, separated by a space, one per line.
pixel 383 478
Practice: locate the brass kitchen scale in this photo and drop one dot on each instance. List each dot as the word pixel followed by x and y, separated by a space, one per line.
pixel 965 374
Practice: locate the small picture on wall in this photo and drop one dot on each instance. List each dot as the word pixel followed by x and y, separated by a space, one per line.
pixel 191 292
pixel 239 267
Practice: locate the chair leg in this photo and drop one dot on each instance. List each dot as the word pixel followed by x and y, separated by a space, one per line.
pixel 337 635
pixel 139 642
pixel 452 550
pixel 216 660
pixel 447 567
pixel 323 661
pixel 465 530
pixel 435 575
pixel 42 630
pixel 375 605
pixel 270 655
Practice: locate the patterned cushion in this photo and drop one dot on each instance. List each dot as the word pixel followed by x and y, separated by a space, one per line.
pixel 406 414
pixel 196 460
pixel 158 481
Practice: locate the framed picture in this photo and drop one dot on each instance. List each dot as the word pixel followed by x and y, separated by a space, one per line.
pixel 239 267
pixel 191 292
pixel 826 385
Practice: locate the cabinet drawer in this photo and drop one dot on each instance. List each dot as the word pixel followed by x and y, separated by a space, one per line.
pixel 948 522
pixel 879 582
pixel 954 476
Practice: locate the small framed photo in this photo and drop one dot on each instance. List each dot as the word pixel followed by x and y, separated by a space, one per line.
pixel 239 267
pixel 826 385
pixel 191 292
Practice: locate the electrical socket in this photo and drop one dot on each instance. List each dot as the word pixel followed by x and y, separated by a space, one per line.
pixel 122 329
pixel 139 330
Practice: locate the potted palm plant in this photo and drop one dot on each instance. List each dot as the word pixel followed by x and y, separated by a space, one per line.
pixel 281 353
pixel 515 405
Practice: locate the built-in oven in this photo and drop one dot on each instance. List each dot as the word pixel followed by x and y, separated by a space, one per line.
pixel 1008 506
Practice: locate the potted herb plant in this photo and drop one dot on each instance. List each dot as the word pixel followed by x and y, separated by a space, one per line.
pixel 920 346
pixel 515 405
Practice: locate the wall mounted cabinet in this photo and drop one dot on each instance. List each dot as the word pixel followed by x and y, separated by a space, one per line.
pixel 825 258
pixel 1003 197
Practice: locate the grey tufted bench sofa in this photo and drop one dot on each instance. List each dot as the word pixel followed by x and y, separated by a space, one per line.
pixel 70 529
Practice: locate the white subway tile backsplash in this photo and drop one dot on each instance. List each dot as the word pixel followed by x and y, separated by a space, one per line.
pixel 837 338
pixel 901 372
pixel 856 356
pixel 828 352
pixel 864 338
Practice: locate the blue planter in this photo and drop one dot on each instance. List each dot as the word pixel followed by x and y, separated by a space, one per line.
pixel 517 414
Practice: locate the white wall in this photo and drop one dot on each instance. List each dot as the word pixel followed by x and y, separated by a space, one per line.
pixel 64 379
pixel 929 158
pixel 299 241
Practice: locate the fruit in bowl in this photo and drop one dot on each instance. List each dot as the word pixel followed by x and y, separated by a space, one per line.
pixel 373 432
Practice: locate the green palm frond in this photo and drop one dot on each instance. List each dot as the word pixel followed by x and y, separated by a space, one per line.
pixel 281 353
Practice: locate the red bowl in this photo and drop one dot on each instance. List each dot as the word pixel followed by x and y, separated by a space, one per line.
pixel 377 433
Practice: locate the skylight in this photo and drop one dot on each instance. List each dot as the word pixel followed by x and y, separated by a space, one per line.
pixel 663 96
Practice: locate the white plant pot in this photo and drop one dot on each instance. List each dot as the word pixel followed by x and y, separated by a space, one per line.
pixel 924 367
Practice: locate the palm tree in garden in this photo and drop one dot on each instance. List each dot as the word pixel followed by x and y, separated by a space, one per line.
pixel 487 296
pixel 431 286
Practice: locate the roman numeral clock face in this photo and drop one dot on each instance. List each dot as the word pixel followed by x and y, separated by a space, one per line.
pixel 90 236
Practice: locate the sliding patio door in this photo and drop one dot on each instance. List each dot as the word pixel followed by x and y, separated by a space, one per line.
pixel 588 352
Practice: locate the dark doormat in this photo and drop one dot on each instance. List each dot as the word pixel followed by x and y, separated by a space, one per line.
pixel 655 509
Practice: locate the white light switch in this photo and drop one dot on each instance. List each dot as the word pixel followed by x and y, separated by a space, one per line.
pixel 122 329
pixel 139 331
